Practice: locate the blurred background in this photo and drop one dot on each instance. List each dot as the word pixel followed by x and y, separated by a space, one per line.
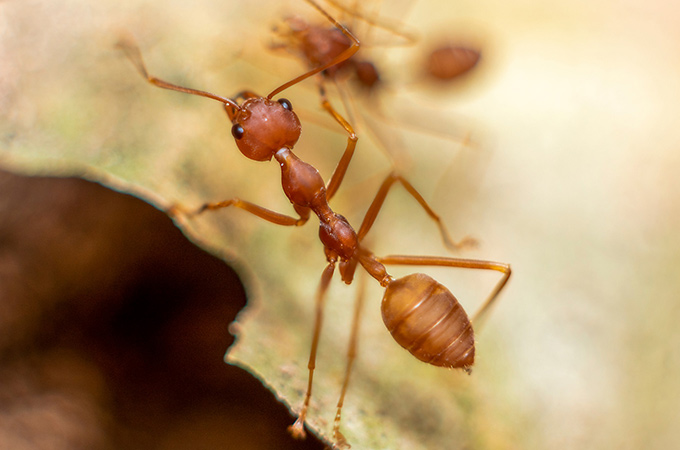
pixel 558 153
pixel 114 327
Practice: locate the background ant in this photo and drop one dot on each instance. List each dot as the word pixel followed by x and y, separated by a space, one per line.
pixel 317 43
pixel 421 314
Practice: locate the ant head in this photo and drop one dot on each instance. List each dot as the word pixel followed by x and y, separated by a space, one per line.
pixel 263 126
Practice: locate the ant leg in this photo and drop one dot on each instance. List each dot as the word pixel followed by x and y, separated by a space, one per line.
pixel 259 211
pixel 343 164
pixel 397 29
pixel 351 356
pixel 373 210
pixel 504 268
pixel 297 430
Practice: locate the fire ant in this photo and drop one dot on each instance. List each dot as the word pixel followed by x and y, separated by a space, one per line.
pixel 316 44
pixel 422 315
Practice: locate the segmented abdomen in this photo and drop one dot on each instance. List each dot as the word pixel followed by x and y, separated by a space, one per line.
pixel 426 319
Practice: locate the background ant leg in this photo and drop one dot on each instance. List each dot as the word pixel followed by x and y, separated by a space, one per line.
pixel 245 95
pixel 298 428
pixel 259 211
pixel 395 28
pixel 351 356
pixel 373 210
pixel 504 268
pixel 341 169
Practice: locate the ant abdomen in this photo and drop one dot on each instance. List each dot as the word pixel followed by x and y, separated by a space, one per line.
pixel 426 319
pixel 448 62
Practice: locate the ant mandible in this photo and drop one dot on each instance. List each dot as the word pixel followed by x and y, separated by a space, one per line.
pixel 421 314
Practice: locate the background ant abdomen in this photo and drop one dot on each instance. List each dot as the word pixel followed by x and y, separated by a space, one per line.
pixel 426 319
pixel 448 62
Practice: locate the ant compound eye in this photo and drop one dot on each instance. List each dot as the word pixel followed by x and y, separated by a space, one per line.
pixel 237 131
pixel 286 104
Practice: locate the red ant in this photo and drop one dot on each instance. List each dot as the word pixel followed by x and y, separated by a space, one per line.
pixel 318 44
pixel 421 314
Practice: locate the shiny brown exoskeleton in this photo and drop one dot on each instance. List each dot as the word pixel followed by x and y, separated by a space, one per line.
pixel 449 61
pixel 422 315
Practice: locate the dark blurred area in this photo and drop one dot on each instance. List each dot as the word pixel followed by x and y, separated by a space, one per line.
pixel 113 329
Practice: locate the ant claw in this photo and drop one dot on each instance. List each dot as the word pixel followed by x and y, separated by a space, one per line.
pixel 297 430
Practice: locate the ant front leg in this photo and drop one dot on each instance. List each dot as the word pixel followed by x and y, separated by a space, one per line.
pixel 375 207
pixel 259 211
pixel 343 164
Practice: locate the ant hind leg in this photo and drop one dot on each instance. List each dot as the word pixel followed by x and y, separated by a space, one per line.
pixel 374 209
pixel 297 430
